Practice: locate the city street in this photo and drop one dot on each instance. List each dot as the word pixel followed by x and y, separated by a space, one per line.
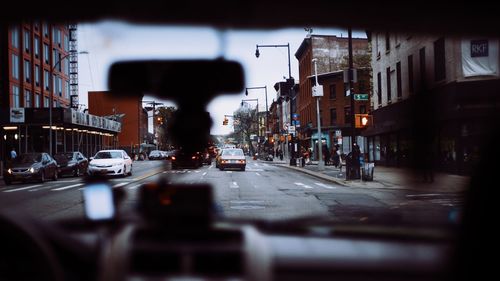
pixel 263 191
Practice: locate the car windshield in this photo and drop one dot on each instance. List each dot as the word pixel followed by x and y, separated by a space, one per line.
pixel 394 141
pixel 28 158
pixel 63 157
pixel 108 155
pixel 232 152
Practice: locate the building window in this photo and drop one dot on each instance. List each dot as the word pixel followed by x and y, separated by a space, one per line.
pixel 410 74
pixel 46 102
pixel 37 100
pixel 439 60
pixel 15 67
pixel 37 75
pixel 46 53
pixel 56 36
pixel 59 86
pixel 66 87
pixel 46 77
pixel 66 43
pixel 15 97
pixel 37 46
pixel 333 91
pixel 398 80
pixel 379 87
pixel 14 37
pixel 27 98
pixel 333 116
pixel 377 49
pixel 66 67
pixel 27 41
pixel 362 109
pixel 46 30
pixel 388 84
pixel 387 42
pixel 347 115
pixel 422 65
pixel 27 71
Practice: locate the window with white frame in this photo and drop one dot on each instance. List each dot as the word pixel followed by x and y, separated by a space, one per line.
pixel 15 66
pixel 27 41
pixel 14 37
pixel 37 75
pixel 16 102
pixel 27 98
pixel 46 78
pixel 37 100
pixel 27 71
pixel 37 46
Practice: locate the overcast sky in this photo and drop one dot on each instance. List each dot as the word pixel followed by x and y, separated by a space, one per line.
pixel 108 42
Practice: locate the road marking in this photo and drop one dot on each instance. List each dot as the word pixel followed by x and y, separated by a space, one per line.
pixel 229 172
pixel 257 174
pixel 204 173
pixel 196 171
pixel 234 185
pixel 120 184
pixel 255 164
pixel 266 165
pixel 423 195
pixel 67 187
pixel 304 185
pixel 23 188
pixel 63 181
pixel 324 185
pixel 255 170
pixel 134 186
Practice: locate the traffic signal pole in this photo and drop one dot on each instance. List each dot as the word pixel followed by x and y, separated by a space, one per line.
pixel 351 90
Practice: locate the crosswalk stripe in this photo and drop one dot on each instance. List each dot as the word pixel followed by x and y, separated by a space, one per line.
pixel 304 185
pixel 22 188
pixel 67 187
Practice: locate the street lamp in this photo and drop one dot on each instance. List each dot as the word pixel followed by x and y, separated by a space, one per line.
pixel 154 103
pixel 321 164
pixel 51 103
pixel 267 109
pixel 257 54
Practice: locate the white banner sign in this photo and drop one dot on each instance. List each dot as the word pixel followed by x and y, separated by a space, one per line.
pixel 479 57
pixel 17 115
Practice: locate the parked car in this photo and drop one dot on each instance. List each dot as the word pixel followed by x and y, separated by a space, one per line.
pixel 31 166
pixel 233 158
pixel 110 162
pixel 156 155
pixel 71 163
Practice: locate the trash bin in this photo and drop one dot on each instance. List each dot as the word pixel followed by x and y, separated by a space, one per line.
pixel 367 171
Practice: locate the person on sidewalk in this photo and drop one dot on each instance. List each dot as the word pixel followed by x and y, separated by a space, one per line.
pixel 326 153
pixel 335 156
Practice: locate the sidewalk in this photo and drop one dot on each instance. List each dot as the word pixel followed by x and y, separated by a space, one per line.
pixel 384 177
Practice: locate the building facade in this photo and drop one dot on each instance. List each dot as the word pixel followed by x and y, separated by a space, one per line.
pixel 134 118
pixel 331 53
pixel 434 90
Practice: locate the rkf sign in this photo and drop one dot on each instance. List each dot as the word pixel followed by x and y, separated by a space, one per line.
pixel 479 48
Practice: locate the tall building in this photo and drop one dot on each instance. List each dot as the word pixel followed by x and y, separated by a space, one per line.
pixel 331 53
pixel 37 73
pixel 433 95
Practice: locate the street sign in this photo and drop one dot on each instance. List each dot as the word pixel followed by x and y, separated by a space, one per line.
pixel 361 97
pixel 317 91
pixel 291 129
pixel 295 116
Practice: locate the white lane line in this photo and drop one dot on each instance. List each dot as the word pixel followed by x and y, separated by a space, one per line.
pixel 256 164
pixel 234 185
pixel 23 188
pixel 324 185
pixel 134 186
pixel 257 174
pixel 229 172
pixel 63 181
pixel 266 165
pixel 67 187
pixel 197 171
pixel 204 173
pixel 304 185
pixel 255 170
pixel 120 184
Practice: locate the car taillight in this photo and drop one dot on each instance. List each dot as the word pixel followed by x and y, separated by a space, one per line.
pixel 193 157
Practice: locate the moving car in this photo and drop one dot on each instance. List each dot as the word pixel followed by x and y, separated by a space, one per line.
pixel 156 155
pixel 31 166
pixel 71 163
pixel 185 159
pixel 110 162
pixel 232 158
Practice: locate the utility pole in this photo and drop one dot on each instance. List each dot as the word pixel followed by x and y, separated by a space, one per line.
pixel 321 164
pixel 351 90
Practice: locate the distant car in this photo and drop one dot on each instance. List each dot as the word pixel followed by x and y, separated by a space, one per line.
pixel 31 166
pixel 156 155
pixel 71 163
pixel 232 158
pixel 186 159
pixel 110 162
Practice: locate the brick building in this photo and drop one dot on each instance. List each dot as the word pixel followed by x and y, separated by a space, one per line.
pixel 134 118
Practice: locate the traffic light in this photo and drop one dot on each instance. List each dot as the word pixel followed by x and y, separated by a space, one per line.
pixel 363 120
pixel 225 122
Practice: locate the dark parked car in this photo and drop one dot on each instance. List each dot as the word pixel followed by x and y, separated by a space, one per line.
pixel 71 163
pixel 31 166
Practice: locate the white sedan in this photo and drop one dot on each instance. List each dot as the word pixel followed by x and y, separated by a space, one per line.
pixel 110 162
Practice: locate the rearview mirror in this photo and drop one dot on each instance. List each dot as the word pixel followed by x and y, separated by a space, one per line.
pixel 173 78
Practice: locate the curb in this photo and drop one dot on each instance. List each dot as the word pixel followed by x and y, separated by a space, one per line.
pixel 315 174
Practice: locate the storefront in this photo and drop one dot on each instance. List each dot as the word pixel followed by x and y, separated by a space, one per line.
pixel 28 130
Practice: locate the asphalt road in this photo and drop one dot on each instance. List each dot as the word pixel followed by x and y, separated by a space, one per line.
pixel 263 191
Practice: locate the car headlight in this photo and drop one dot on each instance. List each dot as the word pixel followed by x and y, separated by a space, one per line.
pixel 9 171
pixel 32 170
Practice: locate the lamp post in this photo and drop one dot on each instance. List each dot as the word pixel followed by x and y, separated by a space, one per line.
pixel 154 104
pixel 267 108
pixel 51 102
pixel 257 54
pixel 321 164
